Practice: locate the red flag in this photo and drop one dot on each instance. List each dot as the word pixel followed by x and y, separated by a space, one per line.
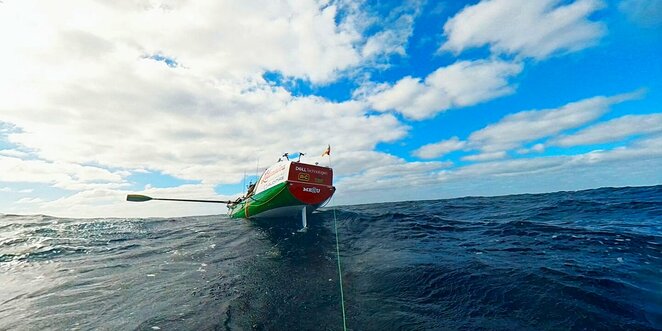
pixel 327 151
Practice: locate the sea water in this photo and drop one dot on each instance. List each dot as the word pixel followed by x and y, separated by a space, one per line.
pixel 570 260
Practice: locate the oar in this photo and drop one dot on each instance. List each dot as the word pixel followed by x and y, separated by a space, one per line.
pixel 141 198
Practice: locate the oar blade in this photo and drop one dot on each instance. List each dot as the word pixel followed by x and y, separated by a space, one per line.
pixel 137 198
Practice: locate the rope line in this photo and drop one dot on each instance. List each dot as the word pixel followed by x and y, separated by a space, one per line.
pixel 342 295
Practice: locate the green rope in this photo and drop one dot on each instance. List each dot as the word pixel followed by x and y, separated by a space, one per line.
pixel 342 296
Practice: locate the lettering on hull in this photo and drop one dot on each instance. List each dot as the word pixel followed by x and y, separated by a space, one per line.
pixel 311 173
pixel 312 190
pixel 311 194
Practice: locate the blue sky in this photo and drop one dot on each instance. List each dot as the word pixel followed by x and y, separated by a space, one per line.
pixel 419 100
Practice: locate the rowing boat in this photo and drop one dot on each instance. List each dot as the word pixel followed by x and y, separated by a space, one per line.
pixel 286 189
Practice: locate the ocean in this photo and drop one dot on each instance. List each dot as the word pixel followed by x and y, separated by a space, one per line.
pixel 587 260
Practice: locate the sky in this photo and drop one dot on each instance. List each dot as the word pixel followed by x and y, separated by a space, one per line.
pixel 418 99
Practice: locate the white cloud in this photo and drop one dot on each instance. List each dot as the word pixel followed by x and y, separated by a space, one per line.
pixel 537 148
pixel 368 170
pixel 635 164
pixel 350 163
pixel 526 28
pixel 391 176
pixel 215 148
pixel 515 129
pixel 83 91
pixel 13 153
pixel 613 130
pixel 461 84
pixel 648 148
pixel 112 202
pixel 431 151
pixel 393 38
pixel 87 103
pixel 28 200
pixel 491 176
pixel 514 167
pixel 485 156
pixel 211 39
pixel 88 94
pixel 62 175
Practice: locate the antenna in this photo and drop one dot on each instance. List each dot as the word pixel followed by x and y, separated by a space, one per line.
pixel 257 167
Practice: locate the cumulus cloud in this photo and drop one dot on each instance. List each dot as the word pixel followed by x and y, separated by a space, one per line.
pixel 461 84
pixel 431 151
pixel 213 145
pixel 393 38
pixel 13 153
pixel 178 88
pixel 112 202
pixel 64 175
pixel 642 158
pixel 485 156
pixel 28 200
pixel 525 28
pixel 644 148
pixel 537 148
pixel 392 176
pixel 503 168
pixel 613 130
pixel 94 91
pixel 515 129
pixel 84 91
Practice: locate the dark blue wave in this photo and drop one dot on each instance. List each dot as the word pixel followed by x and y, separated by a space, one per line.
pixel 588 260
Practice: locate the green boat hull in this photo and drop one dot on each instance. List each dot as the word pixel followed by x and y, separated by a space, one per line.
pixel 276 198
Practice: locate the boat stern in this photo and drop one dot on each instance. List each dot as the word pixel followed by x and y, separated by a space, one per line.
pixel 287 189
pixel 310 184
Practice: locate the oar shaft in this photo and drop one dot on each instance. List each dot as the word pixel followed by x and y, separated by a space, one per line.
pixel 192 200
pixel 143 198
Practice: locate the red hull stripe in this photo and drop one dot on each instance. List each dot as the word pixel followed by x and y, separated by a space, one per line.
pixel 310 194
